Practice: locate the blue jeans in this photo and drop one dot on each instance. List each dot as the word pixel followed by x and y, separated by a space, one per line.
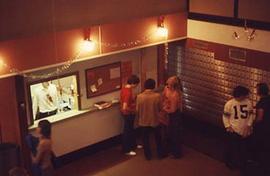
pixel 128 135
pixel 174 132
pixel 146 131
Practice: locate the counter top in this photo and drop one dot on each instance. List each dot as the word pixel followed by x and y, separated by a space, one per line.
pixel 69 114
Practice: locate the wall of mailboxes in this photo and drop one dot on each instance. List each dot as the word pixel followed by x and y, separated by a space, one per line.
pixel 208 82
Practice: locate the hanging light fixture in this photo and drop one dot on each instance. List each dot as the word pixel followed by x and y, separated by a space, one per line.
pixel 249 34
pixel 88 44
pixel 235 35
pixel 161 29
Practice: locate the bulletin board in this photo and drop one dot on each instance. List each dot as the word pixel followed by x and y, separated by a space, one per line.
pixel 103 79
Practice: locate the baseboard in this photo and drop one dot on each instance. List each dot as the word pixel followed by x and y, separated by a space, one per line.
pixel 202 133
pixel 87 151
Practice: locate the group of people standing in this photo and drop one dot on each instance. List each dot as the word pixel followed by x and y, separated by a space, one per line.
pixel 153 112
pixel 160 113
pixel 248 129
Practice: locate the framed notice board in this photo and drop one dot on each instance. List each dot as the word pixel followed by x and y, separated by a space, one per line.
pixel 103 79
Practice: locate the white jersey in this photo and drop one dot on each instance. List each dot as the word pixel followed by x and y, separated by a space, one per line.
pixel 238 115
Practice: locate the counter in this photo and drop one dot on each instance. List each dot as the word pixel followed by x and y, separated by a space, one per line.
pixel 83 128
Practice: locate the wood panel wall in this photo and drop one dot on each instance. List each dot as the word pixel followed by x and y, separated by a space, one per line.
pixel 9 118
pixel 212 7
pixel 33 17
pixel 254 10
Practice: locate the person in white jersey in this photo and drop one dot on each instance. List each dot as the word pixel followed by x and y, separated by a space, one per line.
pixel 237 119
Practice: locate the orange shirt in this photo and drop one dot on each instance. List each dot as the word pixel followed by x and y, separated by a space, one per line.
pixel 171 100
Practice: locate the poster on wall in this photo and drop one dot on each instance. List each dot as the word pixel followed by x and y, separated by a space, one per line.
pixel 103 79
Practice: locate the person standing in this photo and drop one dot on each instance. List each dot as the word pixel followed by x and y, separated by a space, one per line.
pixel 237 119
pixel 128 110
pixel 172 105
pixel 262 127
pixel 148 108
pixel 43 158
pixel 45 101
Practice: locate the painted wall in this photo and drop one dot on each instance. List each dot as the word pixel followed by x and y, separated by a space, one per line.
pixel 55 48
pixel 224 34
pixel 212 7
pixel 149 64
pixel 254 10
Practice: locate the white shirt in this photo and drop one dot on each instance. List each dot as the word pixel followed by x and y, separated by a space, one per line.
pixel 45 99
pixel 238 115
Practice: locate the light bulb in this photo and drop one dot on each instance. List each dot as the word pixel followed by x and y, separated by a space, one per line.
pixel 88 45
pixel 236 36
pixel 162 31
pixel 2 63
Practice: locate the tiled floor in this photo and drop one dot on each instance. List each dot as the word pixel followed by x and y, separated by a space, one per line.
pixel 112 162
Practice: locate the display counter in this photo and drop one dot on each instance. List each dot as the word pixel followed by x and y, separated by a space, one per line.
pixel 61 117
pixel 83 128
pixel 71 114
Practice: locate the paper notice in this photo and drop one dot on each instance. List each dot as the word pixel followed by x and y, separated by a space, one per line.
pixel 100 81
pixel 151 74
pixel 115 73
pixel 93 88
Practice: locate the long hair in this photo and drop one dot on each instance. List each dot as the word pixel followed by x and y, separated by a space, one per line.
pixel 177 85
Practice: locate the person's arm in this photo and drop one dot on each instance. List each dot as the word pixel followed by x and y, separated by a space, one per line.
pixel 40 151
pixel 54 93
pixel 181 101
pixel 126 100
pixel 174 104
pixel 259 111
pixel 259 114
pixel 248 129
pixel 250 115
pixel 226 118
pixel 34 104
pixel 138 101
